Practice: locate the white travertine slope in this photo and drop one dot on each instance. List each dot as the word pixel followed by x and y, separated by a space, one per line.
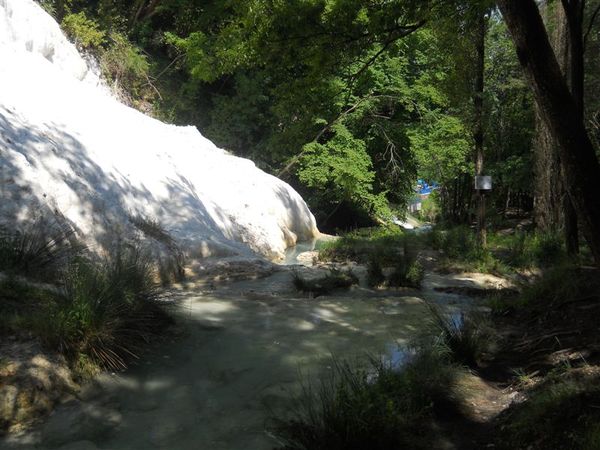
pixel 68 148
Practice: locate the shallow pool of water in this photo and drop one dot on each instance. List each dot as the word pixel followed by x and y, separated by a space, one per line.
pixel 239 359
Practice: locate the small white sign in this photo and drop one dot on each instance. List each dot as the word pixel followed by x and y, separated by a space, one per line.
pixel 483 183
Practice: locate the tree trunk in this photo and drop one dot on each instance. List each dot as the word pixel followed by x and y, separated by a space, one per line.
pixel 548 191
pixel 553 208
pixel 559 111
pixel 478 133
pixel 571 19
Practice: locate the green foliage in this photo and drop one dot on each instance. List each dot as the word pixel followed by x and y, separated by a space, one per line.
pixel 126 66
pixel 407 273
pixel 379 407
pixel 430 208
pixel 85 32
pixel 341 170
pixel 382 243
pixel 456 242
pixel 379 248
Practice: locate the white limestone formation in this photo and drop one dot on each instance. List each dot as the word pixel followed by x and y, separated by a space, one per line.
pixel 70 150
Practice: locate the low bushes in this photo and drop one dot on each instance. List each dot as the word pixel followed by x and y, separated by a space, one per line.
pixel 464 335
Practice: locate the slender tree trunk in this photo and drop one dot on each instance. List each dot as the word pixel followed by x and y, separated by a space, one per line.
pixel 571 18
pixel 559 111
pixel 478 135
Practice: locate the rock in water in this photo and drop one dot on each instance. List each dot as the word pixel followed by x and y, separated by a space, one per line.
pixel 69 149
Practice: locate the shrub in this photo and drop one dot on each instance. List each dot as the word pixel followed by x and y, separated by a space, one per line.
pixel 561 284
pixel 548 249
pixel 125 65
pixel 383 243
pixel 377 407
pixel 559 413
pixel 84 32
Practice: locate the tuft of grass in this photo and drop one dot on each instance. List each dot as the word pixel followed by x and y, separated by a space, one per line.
pixel 109 311
pixel 96 313
pixel 360 246
pixel 380 248
pixel 40 250
pixel 561 284
pixel 407 275
pixel 335 279
pixel 464 335
pixel 171 263
pixel 378 407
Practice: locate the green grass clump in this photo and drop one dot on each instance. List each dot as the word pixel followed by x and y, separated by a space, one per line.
pixel 96 312
pixel 109 311
pixel 335 279
pixel 504 252
pixel 39 251
pixel 378 407
pixel 171 261
pixel 407 275
pixel 463 335
pixel 561 284
pixel 380 248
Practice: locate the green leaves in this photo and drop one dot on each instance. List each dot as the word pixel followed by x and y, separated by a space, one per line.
pixel 341 168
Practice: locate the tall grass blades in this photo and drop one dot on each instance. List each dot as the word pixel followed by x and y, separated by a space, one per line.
pixel 109 310
pixel 462 334
pixel 39 250
pixel 378 407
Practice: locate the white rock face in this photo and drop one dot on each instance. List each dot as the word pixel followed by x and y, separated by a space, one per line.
pixel 69 149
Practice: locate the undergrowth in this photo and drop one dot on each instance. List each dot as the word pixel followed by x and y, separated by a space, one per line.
pixel 98 311
pixel 376 407
pixel 504 252
pixel 379 248
pixel 560 413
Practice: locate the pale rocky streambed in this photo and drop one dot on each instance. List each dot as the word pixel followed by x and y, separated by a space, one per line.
pixel 240 350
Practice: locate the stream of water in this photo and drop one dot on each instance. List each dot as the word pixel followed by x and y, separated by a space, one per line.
pixel 242 350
